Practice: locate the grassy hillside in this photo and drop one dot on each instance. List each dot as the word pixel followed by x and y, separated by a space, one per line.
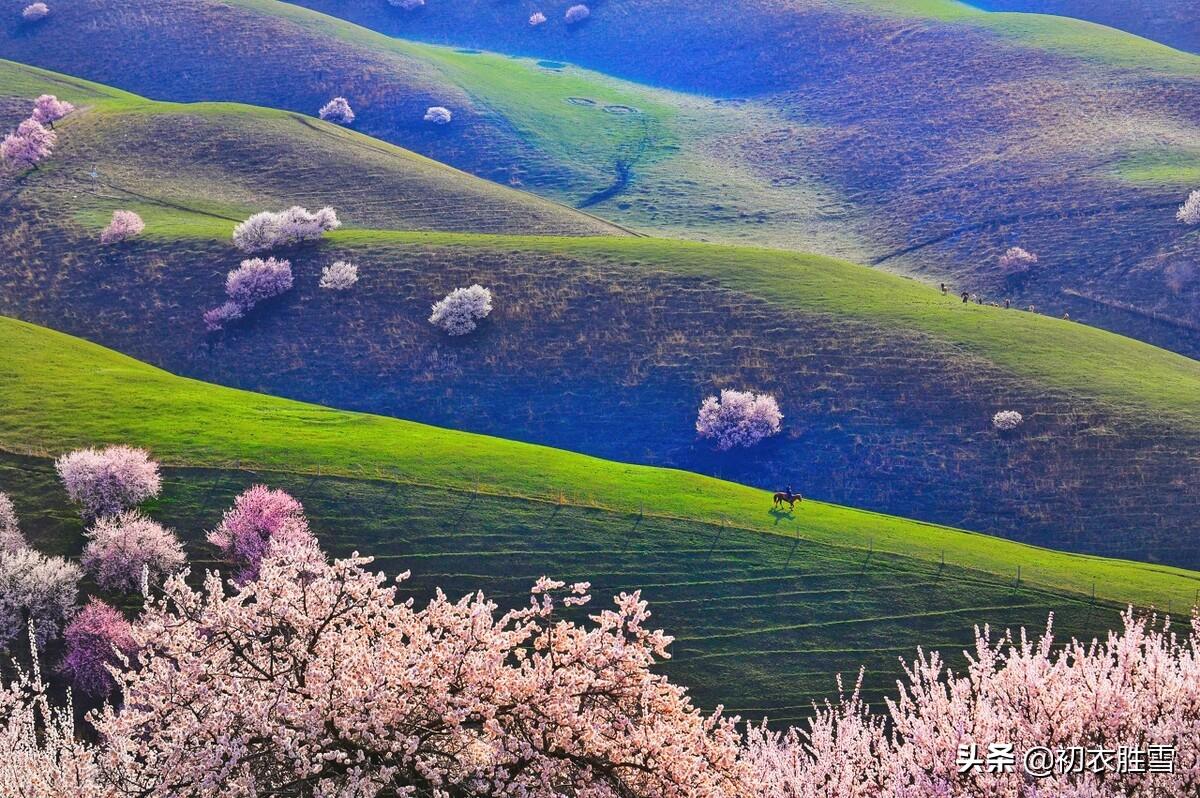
pixel 1171 22
pixel 767 605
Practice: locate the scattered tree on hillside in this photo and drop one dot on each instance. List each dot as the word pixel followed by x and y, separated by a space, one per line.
pixel 267 230
pixel 96 640
pixel 124 225
pixel 577 13
pixel 738 418
pixel 48 109
pixel 537 18
pixel 11 538
pixel 226 313
pixel 28 145
pixel 35 590
pixel 337 110
pixel 35 11
pixel 461 310
pixel 1017 261
pixel 339 276
pixel 407 5
pixel 258 517
pixel 1189 212
pixel 124 549
pixel 256 280
pixel 1007 420
pixel 107 481
pixel 438 115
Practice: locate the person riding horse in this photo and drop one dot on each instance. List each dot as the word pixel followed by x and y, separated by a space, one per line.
pixel 789 497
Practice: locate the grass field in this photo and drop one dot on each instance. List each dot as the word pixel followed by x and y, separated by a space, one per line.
pixel 767 606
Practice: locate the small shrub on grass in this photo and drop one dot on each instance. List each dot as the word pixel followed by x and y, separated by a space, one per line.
pixel 461 310
pixel 339 276
pixel 537 18
pixel 577 14
pixel 1189 212
pixel 268 229
pixel 123 548
pixel 1007 420
pixel 337 110
pixel 438 115
pixel 257 279
pixel 124 225
pixel 1017 261
pixel 107 481
pixel 35 12
pixel 738 419
pixel 223 314
pixel 407 5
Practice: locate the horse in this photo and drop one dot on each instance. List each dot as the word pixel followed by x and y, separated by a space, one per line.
pixel 790 498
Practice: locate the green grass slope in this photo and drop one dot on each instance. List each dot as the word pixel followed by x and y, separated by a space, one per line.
pixel 766 606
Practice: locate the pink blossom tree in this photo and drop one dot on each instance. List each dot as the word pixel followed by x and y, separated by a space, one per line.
pixel 1017 261
pixel 268 230
pixel 258 517
pixel 460 311
pixel 97 639
pixel 1007 420
pixel 124 225
pixel 537 18
pixel 738 418
pixel 337 110
pixel 577 13
pixel 48 109
pixel 257 279
pixel 36 591
pixel 35 12
pixel 438 115
pixel 124 549
pixel 107 481
pixel 1189 212
pixel 225 313
pixel 339 276
pixel 28 145
pixel 11 538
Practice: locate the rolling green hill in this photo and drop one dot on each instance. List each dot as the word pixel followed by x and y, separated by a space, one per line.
pixel 601 345
pixel 766 606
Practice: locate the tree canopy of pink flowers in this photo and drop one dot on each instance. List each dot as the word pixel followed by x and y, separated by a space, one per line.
pixel 1189 212
pixel 738 418
pixel 438 115
pixel 577 13
pixel 1007 420
pixel 124 225
pixel 460 311
pixel 106 481
pixel 96 639
pixel 256 280
pixel 48 109
pixel 27 146
pixel 258 517
pixel 11 538
pixel 124 549
pixel 339 276
pixel 337 110
pixel 1017 261
pixel 537 18
pixel 35 11
pixel 35 590
pixel 271 229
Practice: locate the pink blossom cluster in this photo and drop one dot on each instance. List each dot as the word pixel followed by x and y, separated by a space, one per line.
pixel 260 518
pixel 438 115
pixel 28 145
pixel 738 418
pixel 36 590
pixel 339 276
pixel 407 5
pixel 35 11
pixel 11 538
pixel 97 639
pixel 252 282
pixel 1189 212
pixel 337 110
pixel 1016 260
pixel 124 224
pixel 124 549
pixel 268 230
pixel 48 109
pixel 459 312
pixel 577 13
pixel 1007 420
pixel 106 481
pixel 537 18
pixel 223 314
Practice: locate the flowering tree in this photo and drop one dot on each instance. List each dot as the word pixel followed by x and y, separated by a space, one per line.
pixel 124 224
pixel 1007 420
pixel 1017 261
pixel 738 418
pixel 28 145
pixel 339 276
pixel 11 538
pixel 1189 212
pixel 257 279
pixel 577 14
pixel 407 5
pixel 107 481
pixel 267 230
pixel 460 311
pixel 35 11
pixel 258 517
pixel 96 640
pixel 124 549
pixel 438 115
pixel 537 18
pixel 225 313
pixel 337 110
pixel 48 109
pixel 35 590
